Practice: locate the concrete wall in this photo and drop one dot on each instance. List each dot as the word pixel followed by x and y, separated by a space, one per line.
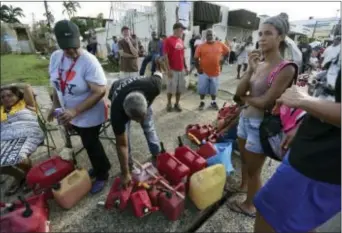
pixel 10 41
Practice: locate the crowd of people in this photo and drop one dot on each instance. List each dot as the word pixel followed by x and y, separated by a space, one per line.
pixel 304 192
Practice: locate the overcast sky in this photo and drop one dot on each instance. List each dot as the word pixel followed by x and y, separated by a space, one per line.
pixel 295 10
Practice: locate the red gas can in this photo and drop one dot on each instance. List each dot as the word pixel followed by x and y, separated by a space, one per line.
pixel 43 175
pixel 171 204
pixel 227 110
pixel 170 167
pixel 154 192
pixel 141 203
pixel 189 157
pixel 206 150
pixel 118 197
pixel 199 131
pixel 26 216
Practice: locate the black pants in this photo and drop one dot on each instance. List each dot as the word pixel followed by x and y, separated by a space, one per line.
pixel 232 57
pixel 97 156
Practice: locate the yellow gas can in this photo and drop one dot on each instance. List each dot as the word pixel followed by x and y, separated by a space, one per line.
pixel 206 186
pixel 69 191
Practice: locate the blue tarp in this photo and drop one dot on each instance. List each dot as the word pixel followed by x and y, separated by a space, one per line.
pixel 223 156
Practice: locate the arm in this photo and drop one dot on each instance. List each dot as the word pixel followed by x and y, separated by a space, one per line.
pixel 134 49
pixel 55 100
pixel 325 110
pixel 122 150
pixel 28 94
pixel 184 61
pixel 279 85
pixel 97 93
pixel 197 59
pixel 243 86
pixel 96 80
pixel 122 53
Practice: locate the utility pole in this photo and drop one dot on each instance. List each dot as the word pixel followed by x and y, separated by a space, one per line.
pixel 161 18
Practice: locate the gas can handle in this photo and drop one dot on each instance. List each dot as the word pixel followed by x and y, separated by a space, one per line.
pixel 161 181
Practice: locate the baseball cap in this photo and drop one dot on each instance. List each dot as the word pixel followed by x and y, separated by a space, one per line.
pixel 67 34
pixel 178 25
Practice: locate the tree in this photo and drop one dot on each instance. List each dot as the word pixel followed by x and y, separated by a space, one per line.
pixel 48 14
pixel 4 12
pixel 70 8
pixel 10 14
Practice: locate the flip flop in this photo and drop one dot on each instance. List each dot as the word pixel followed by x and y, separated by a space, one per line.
pixel 235 207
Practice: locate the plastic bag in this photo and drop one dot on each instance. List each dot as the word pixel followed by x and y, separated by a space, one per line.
pixel 223 156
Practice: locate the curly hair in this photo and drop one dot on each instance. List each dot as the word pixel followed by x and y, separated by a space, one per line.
pixel 15 90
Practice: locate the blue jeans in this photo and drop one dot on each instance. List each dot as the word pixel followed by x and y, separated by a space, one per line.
pixel 147 59
pixel 150 135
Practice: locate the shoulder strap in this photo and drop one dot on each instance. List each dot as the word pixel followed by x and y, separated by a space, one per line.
pixel 277 70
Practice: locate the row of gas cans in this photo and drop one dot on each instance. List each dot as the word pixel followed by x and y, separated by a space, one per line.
pixel 54 178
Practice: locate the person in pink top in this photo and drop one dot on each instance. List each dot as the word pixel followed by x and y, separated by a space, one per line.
pixel 177 70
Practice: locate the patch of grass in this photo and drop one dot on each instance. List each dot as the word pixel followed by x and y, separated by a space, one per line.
pixel 24 69
pixel 111 68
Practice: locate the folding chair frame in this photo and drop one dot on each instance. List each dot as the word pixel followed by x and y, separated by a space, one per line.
pixel 105 125
pixel 47 132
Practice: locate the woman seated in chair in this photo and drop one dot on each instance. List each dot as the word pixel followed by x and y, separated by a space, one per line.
pixel 20 133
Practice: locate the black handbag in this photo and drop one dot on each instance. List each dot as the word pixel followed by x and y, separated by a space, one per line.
pixel 270 127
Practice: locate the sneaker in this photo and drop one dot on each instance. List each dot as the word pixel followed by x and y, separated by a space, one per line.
pixel 178 108
pixel 201 106
pixel 98 186
pixel 214 106
pixel 169 107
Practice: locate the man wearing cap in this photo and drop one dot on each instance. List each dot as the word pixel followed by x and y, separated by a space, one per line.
pixel 177 69
pixel 79 85
pixel 129 53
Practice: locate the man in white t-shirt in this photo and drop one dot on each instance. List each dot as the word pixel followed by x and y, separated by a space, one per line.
pixel 79 87
pixel 233 47
pixel 332 51
pixel 183 13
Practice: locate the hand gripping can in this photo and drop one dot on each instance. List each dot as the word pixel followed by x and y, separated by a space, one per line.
pixel 57 113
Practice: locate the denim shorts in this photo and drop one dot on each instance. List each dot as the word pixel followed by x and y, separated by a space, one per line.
pixel 207 85
pixel 248 129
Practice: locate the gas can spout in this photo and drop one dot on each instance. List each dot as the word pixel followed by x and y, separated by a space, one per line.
pixel 162 148
pixel 28 211
pixel 180 143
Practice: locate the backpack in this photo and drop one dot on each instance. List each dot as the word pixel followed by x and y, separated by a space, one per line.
pixel 274 126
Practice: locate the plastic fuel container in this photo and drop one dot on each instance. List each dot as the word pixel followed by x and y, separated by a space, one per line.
pixel 170 167
pixel 70 190
pixel 189 157
pixel 42 176
pixel 206 186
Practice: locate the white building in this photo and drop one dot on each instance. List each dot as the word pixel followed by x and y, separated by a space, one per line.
pixel 321 27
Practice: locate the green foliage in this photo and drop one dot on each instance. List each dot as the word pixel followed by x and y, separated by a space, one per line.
pixel 70 8
pixel 10 14
pixel 24 68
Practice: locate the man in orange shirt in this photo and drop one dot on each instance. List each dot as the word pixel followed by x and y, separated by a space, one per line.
pixel 208 57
